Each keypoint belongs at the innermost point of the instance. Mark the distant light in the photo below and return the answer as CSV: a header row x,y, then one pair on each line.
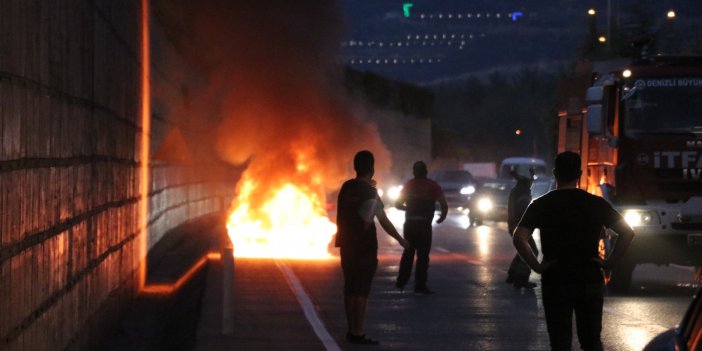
x,y
591,12
406,8
516,15
518,132
602,39
671,14
626,73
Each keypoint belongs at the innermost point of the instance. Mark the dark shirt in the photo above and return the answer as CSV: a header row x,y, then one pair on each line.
x,y
517,202
420,196
571,223
352,230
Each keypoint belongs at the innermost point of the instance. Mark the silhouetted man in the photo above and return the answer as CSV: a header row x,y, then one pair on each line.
x,y
418,198
517,202
358,205
571,222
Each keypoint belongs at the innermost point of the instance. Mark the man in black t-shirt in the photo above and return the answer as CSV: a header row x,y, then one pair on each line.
x,y
571,222
358,204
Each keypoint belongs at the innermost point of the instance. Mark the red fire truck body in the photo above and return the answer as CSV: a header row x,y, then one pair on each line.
x,y
640,137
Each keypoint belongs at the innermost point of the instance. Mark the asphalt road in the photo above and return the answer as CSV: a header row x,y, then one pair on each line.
x,y
298,304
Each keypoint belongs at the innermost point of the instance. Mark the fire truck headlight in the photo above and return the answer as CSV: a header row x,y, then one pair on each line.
x,y
468,190
485,205
637,218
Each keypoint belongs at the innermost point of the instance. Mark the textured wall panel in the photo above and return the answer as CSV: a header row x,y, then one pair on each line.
x,y
70,131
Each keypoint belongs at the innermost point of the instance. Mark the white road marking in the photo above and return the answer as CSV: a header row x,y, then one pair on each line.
x,y
307,307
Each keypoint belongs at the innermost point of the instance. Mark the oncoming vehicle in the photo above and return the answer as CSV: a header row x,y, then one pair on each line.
x,y
458,186
490,200
523,165
489,203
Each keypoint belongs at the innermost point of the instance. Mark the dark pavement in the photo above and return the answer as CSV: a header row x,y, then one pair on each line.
x,y
297,305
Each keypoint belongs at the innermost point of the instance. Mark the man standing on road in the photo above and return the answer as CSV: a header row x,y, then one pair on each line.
x,y
418,198
571,222
358,204
517,202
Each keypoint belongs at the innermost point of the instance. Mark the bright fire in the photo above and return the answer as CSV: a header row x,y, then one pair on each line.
x,y
290,223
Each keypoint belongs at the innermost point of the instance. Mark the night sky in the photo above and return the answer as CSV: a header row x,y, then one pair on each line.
x,y
447,39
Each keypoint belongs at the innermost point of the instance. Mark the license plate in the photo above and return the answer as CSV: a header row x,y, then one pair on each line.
x,y
694,239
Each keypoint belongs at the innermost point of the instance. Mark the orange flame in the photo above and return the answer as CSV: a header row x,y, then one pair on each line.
x,y
290,223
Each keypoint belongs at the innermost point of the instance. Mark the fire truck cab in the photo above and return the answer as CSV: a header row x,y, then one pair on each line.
x,y
639,134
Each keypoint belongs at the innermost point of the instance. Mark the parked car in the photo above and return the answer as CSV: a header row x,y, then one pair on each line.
x,y
458,186
687,336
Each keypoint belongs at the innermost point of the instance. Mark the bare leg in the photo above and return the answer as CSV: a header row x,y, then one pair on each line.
x,y
348,306
359,315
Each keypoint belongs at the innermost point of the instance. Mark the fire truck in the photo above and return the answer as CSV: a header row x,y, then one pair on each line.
x,y
639,133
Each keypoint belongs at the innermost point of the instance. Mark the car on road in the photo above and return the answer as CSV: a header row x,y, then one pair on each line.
x,y
687,336
459,186
490,200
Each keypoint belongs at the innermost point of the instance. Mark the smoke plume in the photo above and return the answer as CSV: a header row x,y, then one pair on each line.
x,y
274,81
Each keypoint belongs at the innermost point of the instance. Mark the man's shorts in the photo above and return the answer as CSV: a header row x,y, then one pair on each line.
x,y
359,267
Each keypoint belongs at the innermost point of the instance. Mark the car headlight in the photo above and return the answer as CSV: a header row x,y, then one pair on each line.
x,y
394,192
637,218
467,190
485,205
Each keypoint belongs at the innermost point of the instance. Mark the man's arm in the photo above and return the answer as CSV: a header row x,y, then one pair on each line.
x,y
390,228
444,208
626,235
521,243
400,201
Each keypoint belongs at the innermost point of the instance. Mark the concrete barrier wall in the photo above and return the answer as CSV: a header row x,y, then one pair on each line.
x,y
70,132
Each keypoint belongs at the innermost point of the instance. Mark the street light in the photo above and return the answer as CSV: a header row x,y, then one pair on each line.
x,y
671,14
602,39
591,12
